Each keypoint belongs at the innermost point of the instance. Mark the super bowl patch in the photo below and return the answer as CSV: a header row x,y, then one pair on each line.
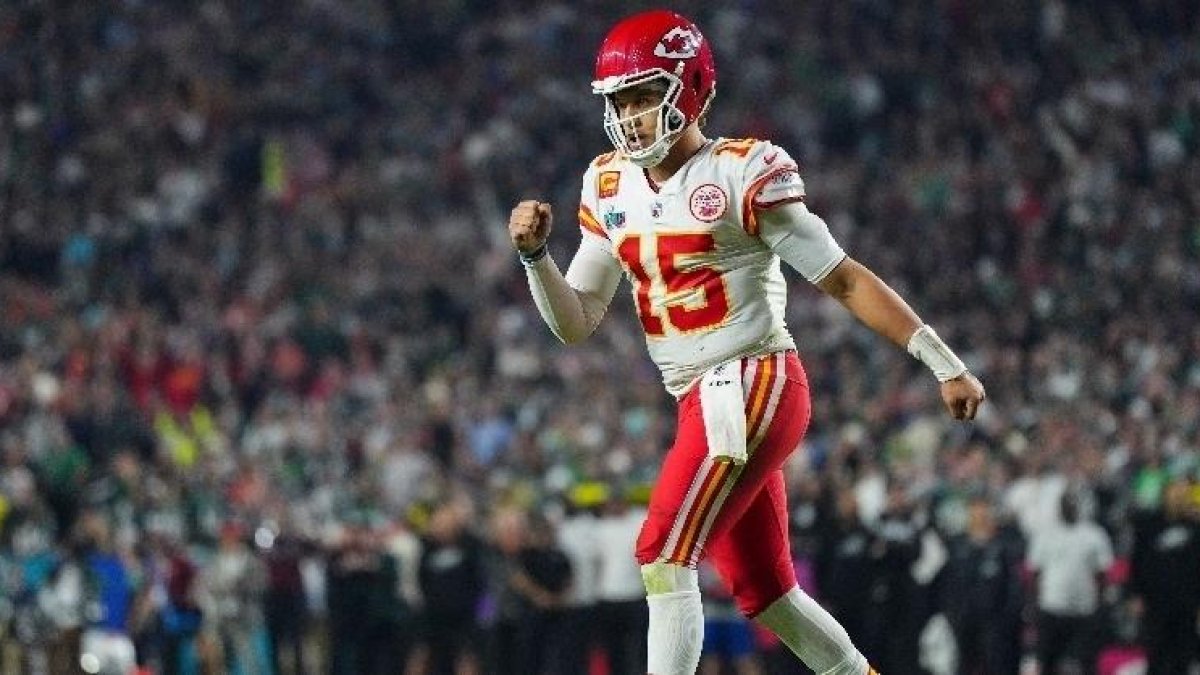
x,y
708,202
614,219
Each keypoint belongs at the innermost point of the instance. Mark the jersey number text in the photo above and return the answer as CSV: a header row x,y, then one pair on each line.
x,y
684,310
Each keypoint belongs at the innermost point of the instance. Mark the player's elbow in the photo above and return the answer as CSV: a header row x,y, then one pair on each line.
x,y
580,327
841,281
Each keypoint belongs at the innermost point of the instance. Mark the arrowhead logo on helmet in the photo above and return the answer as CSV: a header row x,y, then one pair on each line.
x,y
679,43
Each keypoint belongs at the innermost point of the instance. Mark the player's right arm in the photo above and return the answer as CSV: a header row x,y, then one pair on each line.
x,y
571,305
774,210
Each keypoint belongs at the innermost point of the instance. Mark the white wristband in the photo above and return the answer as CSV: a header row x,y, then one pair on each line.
x,y
930,350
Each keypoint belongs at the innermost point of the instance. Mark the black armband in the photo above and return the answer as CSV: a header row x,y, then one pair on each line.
x,y
533,256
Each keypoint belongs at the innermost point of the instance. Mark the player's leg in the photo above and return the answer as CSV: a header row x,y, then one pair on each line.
x,y
689,497
749,543
754,559
688,486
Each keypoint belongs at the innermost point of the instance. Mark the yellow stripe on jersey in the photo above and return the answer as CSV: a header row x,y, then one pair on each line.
x,y
587,220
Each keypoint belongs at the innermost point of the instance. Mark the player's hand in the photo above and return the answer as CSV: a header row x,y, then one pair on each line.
x,y
963,395
529,225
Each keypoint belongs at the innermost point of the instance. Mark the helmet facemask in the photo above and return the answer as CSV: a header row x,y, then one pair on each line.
x,y
671,121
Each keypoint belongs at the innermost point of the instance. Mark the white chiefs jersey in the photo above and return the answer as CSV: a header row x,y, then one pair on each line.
x,y
703,264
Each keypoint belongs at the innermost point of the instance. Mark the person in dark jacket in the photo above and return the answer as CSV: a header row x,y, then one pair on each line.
x,y
452,580
893,624
844,566
530,577
364,602
1165,580
982,595
285,604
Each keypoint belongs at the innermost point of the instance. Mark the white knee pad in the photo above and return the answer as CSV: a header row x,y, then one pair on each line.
x,y
676,631
664,577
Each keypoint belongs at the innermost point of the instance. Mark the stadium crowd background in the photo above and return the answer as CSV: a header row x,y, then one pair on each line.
x,y
270,373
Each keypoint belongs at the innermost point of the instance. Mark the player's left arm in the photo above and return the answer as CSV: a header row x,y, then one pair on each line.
x,y
883,310
802,239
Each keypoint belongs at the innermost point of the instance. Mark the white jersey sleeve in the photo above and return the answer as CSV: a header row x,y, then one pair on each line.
x,y
594,271
801,239
594,184
774,209
595,275
572,305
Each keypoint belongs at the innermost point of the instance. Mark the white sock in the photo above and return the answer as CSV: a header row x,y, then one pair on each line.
x,y
676,633
813,635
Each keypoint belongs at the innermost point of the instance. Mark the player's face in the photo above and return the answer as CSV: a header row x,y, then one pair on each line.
x,y
638,108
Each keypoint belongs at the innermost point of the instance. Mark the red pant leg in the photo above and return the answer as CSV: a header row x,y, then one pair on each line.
x,y
754,556
696,499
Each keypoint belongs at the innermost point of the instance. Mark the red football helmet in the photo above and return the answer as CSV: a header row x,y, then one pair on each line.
x,y
656,45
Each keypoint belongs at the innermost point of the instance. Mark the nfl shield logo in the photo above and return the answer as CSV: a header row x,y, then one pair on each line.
x,y
656,210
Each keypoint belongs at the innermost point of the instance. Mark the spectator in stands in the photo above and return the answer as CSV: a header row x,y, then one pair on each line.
x,y
845,565
621,606
729,637
286,612
452,582
180,183
1069,563
895,614
578,540
1165,579
233,586
982,596
363,591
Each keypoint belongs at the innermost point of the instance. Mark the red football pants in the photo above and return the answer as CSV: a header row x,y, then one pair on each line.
x,y
737,517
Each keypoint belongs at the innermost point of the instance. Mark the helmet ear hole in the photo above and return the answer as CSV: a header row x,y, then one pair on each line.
x,y
676,118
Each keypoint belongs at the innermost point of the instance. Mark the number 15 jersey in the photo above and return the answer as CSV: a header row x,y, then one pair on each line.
x,y
702,251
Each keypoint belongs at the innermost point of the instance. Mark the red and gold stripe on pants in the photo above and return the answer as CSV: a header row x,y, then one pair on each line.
x,y
763,381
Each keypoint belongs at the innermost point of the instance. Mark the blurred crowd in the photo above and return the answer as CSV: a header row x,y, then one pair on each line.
x,y
274,398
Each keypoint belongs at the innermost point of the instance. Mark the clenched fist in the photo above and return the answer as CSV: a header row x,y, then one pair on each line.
x,y
529,225
963,395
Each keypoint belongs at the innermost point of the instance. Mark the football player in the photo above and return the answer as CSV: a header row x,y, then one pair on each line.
x,y
698,226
